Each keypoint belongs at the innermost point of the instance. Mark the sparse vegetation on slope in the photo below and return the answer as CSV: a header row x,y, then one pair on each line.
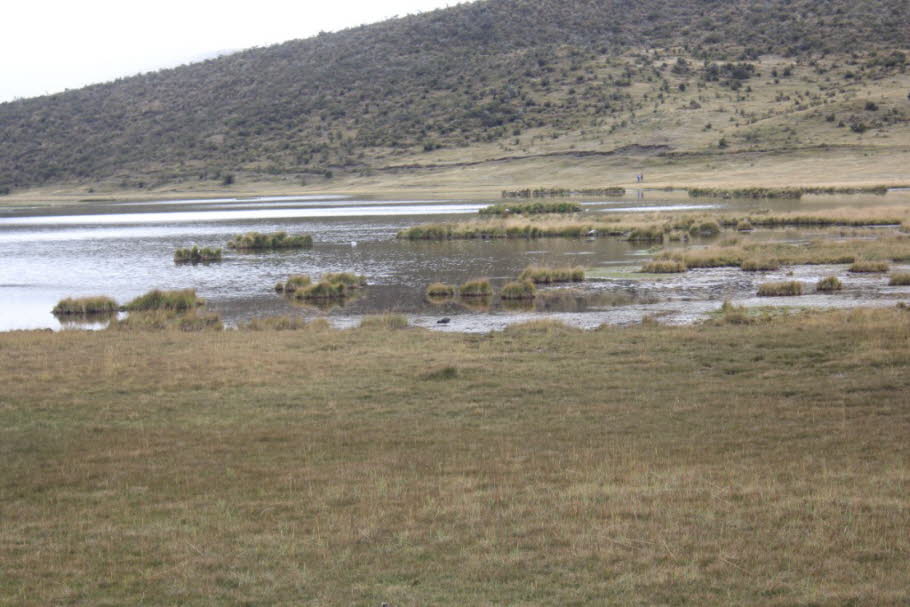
x,y
503,78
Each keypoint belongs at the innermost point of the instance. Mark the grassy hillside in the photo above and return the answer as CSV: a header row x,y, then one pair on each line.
x,y
492,80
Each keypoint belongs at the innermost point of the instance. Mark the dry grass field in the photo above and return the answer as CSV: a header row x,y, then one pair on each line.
x,y
756,464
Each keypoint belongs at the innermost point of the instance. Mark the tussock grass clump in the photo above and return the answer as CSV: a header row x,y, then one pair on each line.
x,y
322,290
476,288
180,300
829,284
744,225
256,241
439,290
348,279
646,234
275,323
532,208
196,254
160,320
546,327
791,288
441,373
705,229
899,279
547,275
864,266
664,266
760,265
735,315
519,290
332,286
297,281
384,321
85,306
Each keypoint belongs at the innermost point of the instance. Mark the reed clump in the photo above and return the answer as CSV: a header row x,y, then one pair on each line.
x,y
705,229
899,279
297,281
256,241
868,216
331,286
348,279
384,322
85,306
197,254
755,193
735,315
516,227
790,288
664,266
829,284
322,290
760,265
865,266
519,290
178,300
162,319
480,287
532,208
275,323
548,275
817,252
651,233
561,192
439,290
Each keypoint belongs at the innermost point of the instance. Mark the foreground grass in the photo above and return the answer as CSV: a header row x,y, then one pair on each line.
x,y
762,464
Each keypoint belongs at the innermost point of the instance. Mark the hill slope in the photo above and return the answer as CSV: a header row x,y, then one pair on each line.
x,y
487,80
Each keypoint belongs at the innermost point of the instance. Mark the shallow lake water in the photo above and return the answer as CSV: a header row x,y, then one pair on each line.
x,y
125,249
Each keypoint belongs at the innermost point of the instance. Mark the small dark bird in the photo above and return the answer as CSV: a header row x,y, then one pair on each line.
x,y
444,321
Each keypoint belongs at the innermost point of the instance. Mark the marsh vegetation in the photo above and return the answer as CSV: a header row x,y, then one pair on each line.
x,y
789,288
552,275
518,290
85,306
477,288
197,254
532,208
157,299
330,287
256,241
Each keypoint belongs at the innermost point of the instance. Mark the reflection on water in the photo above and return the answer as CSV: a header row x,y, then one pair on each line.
x,y
125,249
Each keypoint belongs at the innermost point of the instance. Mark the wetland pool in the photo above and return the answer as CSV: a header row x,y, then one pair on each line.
x,y
125,249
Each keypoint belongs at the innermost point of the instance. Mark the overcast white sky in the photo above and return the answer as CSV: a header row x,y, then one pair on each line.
x,y
50,45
